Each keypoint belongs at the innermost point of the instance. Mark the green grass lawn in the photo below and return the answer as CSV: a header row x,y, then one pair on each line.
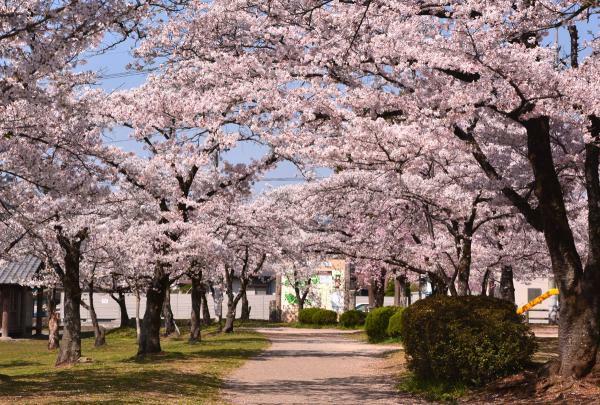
x,y
184,373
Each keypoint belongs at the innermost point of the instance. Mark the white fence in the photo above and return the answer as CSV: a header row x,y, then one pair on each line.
x,y
107,310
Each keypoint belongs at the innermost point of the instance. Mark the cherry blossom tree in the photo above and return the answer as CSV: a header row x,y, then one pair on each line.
x,y
487,75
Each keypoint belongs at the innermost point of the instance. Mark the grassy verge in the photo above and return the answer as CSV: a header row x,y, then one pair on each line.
x,y
184,373
431,390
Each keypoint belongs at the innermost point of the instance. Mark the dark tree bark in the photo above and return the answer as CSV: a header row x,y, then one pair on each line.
x,y
206,319
507,287
149,341
40,309
138,326
579,333
245,315
99,332
70,347
120,300
485,282
53,321
492,288
301,290
232,299
377,290
170,327
195,322
439,286
245,274
400,289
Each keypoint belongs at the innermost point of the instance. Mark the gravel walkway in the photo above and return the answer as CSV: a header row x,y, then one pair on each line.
x,y
315,366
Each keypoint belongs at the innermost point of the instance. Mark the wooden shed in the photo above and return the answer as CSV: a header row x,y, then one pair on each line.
x,y
16,296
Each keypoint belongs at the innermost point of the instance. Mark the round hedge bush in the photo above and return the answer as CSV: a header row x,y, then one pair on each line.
x,y
394,328
352,318
377,321
306,315
317,316
325,317
471,340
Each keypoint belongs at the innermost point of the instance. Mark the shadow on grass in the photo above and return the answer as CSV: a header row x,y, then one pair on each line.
x,y
20,363
110,381
206,349
183,371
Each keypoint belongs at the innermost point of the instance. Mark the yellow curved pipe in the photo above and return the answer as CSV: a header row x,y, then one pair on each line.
x,y
537,300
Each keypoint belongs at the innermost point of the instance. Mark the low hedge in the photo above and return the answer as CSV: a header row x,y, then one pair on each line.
x,y
317,316
306,315
325,317
394,328
377,321
352,318
470,340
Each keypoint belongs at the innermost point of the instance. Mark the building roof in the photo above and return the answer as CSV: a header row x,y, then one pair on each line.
x,y
20,272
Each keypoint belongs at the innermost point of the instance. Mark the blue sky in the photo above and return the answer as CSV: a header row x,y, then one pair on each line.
x,y
112,67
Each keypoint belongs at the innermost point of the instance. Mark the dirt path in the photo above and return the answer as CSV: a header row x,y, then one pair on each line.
x,y
315,366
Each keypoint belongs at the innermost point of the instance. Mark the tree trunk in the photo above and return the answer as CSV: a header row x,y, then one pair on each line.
x,y
98,330
206,319
5,311
464,271
245,315
53,321
485,282
507,288
38,318
120,300
155,297
170,327
376,290
230,317
232,300
438,285
400,298
492,288
138,328
195,322
70,348
579,333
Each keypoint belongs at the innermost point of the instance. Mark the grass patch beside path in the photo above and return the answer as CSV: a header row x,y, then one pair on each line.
x,y
431,390
184,373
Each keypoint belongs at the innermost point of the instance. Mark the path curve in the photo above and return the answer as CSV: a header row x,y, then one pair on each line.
x,y
315,366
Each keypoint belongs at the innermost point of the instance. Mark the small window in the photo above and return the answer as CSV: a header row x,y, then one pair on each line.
x,y
533,293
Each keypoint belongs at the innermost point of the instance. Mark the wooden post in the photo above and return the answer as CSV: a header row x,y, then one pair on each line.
x,y
5,319
38,319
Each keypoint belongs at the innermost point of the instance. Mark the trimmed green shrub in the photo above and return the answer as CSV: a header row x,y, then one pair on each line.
x,y
352,318
470,340
394,328
317,316
325,317
376,323
306,315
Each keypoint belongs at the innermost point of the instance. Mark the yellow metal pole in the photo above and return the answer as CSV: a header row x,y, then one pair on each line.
x,y
537,300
